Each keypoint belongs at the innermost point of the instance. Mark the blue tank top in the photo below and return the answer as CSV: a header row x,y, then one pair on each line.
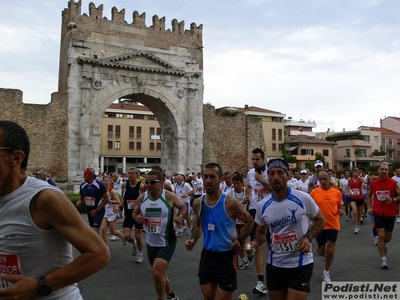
x,y
218,227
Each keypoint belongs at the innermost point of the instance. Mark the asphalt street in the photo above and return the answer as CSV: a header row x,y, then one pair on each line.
x,y
356,259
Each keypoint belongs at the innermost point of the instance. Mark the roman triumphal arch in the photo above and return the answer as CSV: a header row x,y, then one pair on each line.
x,y
103,60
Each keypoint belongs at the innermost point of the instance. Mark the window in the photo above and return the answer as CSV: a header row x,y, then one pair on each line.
x,y
273,134
139,133
376,139
136,116
398,141
151,131
119,115
131,132
158,146
390,143
151,146
117,145
347,154
159,131
363,153
276,119
109,144
138,146
307,151
110,131
131,145
129,116
117,131
325,152
273,146
280,134
366,138
152,117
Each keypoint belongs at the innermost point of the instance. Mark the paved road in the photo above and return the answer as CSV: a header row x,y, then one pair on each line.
x,y
356,259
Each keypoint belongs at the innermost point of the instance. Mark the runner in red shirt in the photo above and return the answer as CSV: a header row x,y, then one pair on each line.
x,y
386,195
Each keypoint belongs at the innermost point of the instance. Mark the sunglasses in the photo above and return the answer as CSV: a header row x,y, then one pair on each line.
x,y
152,182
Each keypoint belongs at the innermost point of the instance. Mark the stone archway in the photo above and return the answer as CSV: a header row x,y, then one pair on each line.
x,y
103,60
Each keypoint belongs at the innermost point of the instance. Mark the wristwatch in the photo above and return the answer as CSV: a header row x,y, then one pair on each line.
x,y
45,288
310,237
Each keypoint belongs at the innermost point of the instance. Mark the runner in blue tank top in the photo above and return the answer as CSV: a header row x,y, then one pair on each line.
x,y
216,215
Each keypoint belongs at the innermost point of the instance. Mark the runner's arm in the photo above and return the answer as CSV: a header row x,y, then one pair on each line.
x,y
51,209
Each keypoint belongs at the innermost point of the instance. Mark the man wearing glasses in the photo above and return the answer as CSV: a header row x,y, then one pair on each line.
x,y
155,210
37,218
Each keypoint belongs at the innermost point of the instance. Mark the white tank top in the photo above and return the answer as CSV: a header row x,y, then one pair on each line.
x,y
158,221
25,248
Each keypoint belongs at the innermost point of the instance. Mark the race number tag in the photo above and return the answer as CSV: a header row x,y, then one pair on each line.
x,y
90,201
9,264
131,204
260,193
285,242
382,195
153,220
211,227
354,192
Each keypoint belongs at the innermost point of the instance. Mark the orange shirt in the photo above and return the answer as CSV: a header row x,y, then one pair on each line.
x,y
329,202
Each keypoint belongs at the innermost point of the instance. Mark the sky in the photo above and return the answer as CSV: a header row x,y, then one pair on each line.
x,y
335,62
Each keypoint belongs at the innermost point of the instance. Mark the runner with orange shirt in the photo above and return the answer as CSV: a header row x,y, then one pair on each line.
x,y
329,201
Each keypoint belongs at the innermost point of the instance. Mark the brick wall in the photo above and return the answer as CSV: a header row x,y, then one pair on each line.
x,y
46,126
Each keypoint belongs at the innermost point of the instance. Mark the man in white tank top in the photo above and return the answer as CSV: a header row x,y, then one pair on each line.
x,y
37,218
154,209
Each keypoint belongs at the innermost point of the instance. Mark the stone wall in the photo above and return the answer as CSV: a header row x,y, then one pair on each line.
x,y
229,141
47,127
120,31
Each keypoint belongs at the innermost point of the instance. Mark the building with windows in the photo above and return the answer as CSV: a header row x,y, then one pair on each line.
x,y
130,137
301,143
391,138
305,148
356,148
293,127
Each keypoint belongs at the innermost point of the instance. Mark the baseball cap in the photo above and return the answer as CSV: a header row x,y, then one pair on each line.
x,y
318,163
303,171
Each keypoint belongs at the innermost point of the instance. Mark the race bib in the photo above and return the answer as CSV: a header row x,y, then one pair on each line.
x,y
153,220
354,192
131,204
9,264
90,201
260,193
152,225
382,195
285,242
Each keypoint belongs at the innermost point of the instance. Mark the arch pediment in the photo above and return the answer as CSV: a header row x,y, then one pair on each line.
x,y
139,61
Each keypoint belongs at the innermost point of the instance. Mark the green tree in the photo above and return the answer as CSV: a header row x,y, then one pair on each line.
x,y
319,156
283,150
